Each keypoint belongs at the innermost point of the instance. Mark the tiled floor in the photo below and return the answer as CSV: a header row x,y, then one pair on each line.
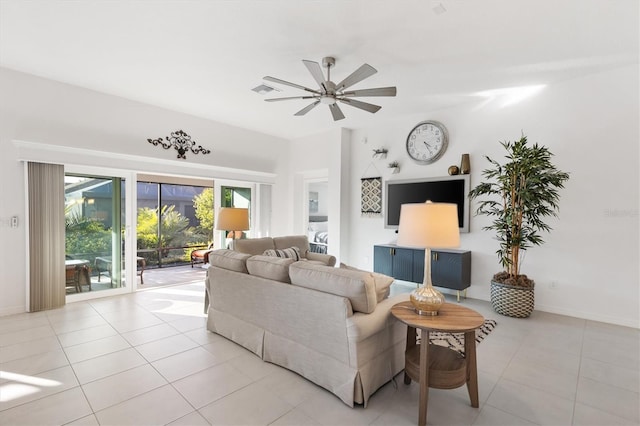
x,y
146,358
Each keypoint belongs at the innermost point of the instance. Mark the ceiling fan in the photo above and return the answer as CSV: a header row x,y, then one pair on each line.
x,y
330,93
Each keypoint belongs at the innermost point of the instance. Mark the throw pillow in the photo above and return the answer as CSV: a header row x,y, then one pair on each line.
x,y
289,253
382,282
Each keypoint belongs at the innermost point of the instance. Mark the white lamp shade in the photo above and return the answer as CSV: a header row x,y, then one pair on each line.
x,y
429,225
232,219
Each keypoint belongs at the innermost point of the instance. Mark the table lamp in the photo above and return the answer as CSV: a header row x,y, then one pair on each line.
x,y
429,225
232,219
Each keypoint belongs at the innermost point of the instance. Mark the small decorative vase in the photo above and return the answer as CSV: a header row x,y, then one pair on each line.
x,y
454,170
465,165
426,300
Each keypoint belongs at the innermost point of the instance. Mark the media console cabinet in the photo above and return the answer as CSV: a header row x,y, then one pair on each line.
x,y
449,268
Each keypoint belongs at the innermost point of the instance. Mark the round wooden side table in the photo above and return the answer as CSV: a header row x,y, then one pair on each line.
x,y
447,369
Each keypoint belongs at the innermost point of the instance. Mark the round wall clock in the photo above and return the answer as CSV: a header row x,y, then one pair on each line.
x,y
427,141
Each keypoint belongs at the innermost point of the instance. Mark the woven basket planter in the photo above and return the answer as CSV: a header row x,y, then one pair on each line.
x,y
512,301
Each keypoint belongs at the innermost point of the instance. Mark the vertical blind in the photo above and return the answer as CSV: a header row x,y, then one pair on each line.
x,y
46,236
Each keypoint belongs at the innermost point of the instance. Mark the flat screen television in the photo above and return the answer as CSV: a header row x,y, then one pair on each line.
x,y
447,189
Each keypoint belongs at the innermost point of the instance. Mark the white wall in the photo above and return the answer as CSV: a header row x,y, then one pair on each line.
x,y
99,129
589,265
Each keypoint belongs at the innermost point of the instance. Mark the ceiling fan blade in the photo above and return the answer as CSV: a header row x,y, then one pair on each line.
x,y
378,91
358,75
308,108
289,98
316,72
336,112
362,105
286,83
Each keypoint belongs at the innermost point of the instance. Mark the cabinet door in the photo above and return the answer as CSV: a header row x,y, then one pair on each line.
x,y
383,260
403,264
450,270
418,266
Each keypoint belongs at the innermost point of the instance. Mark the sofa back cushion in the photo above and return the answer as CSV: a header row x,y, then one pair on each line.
x,y
357,286
254,246
229,259
271,268
382,282
300,241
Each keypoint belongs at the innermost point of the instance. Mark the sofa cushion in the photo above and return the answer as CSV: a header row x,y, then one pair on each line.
x,y
229,259
254,246
357,286
271,268
383,282
300,241
287,253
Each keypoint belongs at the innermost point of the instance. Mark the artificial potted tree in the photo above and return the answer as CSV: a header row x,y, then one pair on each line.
x,y
518,196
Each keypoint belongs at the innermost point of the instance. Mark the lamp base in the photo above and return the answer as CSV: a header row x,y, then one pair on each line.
x,y
426,300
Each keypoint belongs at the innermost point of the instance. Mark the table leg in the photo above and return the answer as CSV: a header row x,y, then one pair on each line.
x,y
411,343
472,369
424,377
76,279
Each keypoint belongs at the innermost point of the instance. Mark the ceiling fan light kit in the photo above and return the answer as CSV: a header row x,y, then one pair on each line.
x,y
330,93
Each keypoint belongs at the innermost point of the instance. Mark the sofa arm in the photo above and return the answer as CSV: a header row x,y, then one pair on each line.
x,y
361,326
327,259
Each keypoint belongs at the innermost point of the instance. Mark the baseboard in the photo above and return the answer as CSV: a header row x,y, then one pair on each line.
x,y
626,322
12,310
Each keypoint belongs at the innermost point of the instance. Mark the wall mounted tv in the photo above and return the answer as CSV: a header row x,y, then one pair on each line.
x,y
447,189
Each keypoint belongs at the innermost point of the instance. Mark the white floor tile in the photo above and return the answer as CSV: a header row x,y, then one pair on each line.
x,y
22,388
74,324
611,374
165,347
294,418
136,323
211,384
490,416
58,409
191,419
107,365
614,400
531,404
159,406
89,420
35,364
585,415
25,321
328,409
149,334
20,336
185,363
251,405
86,335
123,386
25,349
96,348
539,377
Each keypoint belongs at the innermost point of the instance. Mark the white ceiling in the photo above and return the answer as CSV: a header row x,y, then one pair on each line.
x,y
203,57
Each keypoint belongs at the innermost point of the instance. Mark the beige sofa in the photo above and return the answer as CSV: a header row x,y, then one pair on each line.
x,y
331,325
259,245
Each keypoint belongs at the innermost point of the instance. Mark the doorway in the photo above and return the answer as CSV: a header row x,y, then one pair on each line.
x,y
318,215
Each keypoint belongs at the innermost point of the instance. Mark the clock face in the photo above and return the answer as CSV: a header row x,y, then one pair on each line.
x,y
427,142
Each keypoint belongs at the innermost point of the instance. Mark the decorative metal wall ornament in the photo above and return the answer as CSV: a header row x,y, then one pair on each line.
x,y
181,142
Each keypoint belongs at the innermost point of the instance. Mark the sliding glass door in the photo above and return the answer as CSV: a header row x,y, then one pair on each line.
x,y
94,233
173,220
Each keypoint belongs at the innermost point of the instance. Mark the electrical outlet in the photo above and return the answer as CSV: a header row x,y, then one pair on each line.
x,y
14,221
553,285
